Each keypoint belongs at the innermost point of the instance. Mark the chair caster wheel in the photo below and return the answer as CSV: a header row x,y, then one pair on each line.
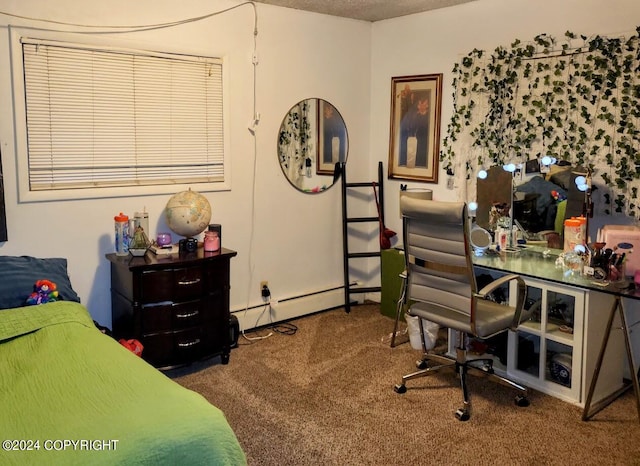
x,y
422,364
463,415
487,368
400,388
522,401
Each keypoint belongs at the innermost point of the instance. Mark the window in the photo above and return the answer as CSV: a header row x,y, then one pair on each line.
x,y
107,118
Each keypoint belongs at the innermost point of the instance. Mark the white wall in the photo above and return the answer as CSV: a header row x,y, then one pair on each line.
x,y
291,239
433,42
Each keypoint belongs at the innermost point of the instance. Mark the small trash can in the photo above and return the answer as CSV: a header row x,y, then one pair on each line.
x,y
430,332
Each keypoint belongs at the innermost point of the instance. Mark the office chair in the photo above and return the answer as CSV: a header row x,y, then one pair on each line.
x,y
441,286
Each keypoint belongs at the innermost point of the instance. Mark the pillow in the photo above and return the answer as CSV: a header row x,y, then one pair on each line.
x,y
18,275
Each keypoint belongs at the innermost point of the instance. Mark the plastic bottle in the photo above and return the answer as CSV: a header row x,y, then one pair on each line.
x,y
122,234
572,234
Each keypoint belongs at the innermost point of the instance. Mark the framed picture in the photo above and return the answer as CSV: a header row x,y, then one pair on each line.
x,y
414,142
332,138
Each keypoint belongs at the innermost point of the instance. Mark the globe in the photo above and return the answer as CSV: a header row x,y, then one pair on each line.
x,y
187,213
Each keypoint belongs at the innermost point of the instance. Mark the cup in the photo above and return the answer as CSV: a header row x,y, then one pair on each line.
x,y
163,239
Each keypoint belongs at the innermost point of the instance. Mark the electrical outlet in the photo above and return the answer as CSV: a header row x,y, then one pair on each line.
x,y
265,291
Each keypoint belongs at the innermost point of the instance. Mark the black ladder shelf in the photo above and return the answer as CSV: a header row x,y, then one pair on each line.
x,y
350,289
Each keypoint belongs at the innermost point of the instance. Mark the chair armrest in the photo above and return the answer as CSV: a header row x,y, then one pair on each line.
x,y
521,295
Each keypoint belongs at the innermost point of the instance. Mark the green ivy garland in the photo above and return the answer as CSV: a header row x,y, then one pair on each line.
x,y
577,100
294,142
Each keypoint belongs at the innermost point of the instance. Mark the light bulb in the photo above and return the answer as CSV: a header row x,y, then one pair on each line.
x,y
583,187
510,167
482,174
546,160
473,206
580,180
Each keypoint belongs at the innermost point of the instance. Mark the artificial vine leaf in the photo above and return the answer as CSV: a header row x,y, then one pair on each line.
x,y
576,104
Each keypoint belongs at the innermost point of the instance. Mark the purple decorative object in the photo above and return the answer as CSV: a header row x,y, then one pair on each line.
x,y
163,239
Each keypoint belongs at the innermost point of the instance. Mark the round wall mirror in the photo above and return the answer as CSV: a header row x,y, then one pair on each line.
x,y
312,142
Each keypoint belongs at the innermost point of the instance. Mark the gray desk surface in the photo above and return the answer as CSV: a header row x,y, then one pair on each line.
x,y
538,262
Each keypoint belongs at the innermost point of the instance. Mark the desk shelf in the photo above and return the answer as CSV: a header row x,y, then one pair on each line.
x,y
555,362
545,357
552,333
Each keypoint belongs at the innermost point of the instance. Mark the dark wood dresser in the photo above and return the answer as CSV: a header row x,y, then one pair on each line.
x,y
176,305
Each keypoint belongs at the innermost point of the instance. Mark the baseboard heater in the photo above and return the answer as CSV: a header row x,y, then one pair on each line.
x,y
289,308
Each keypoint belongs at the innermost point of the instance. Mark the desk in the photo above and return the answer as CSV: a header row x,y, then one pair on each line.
x,y
595,378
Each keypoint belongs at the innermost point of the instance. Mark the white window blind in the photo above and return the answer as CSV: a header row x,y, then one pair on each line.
x,y
111,118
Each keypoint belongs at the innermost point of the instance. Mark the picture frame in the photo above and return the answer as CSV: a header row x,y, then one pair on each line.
x,y
332,138
414,142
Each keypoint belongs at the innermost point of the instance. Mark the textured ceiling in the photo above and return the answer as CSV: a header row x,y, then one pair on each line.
x,y
366,10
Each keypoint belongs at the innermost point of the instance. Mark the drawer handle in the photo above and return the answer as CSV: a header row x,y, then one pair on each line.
x,y
189,282
186,316
189,343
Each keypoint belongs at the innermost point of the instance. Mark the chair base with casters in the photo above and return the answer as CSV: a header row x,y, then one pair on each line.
x,y
461,365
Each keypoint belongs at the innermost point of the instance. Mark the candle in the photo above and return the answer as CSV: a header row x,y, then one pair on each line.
x,y
211,241
412,150
335,149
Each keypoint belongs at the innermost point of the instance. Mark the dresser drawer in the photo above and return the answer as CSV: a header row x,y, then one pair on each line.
x,y
178,347
177,284
172,316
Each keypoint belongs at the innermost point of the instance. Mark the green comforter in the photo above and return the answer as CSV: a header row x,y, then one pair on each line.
x,y
71,395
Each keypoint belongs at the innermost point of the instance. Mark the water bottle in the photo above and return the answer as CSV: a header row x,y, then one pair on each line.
x,y
122,234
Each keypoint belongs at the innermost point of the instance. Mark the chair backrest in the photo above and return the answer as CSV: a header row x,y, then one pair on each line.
x,y
436,245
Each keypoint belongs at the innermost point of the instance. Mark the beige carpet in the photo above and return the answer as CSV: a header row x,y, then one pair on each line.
x,y
324,396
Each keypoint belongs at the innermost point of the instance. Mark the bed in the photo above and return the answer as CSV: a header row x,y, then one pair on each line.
x,y
70,394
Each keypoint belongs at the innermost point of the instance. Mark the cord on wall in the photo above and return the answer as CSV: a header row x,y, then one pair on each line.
x,y
137,28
